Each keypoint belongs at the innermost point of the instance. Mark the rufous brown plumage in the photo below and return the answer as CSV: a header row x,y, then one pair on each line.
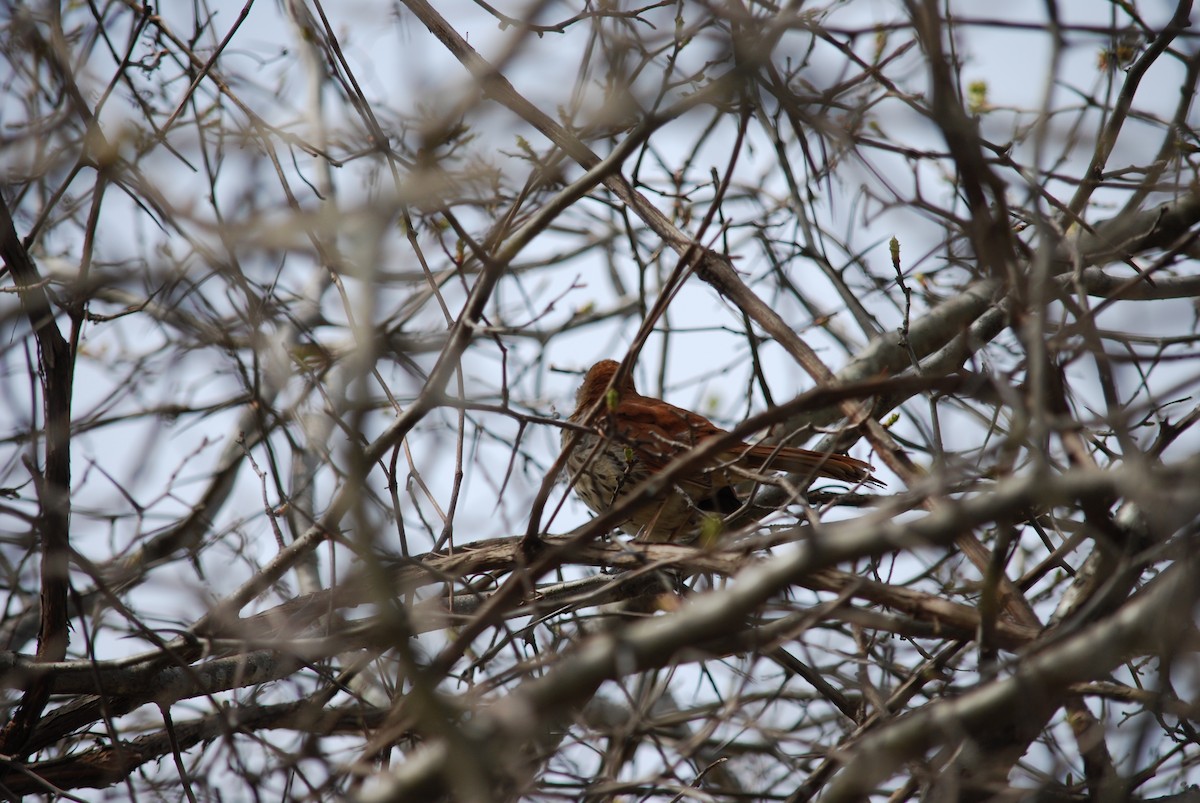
x,y
633,436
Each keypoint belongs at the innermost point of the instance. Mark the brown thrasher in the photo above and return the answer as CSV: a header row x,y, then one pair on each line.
x,y
635,436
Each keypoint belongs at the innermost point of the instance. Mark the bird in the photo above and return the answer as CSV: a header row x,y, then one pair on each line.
x,y
632,437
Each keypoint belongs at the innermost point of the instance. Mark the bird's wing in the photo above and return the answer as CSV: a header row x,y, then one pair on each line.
x,y
658,432
806,461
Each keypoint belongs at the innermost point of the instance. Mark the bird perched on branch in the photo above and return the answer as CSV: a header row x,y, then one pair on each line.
x,y
633,437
